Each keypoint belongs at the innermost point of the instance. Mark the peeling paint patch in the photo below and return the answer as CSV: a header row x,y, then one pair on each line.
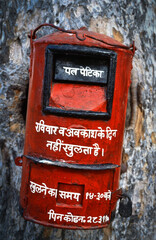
x,y
15,54
139,133
15,127
117,35
153,137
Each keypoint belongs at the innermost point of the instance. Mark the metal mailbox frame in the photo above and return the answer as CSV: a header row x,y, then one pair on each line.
x,y
51,50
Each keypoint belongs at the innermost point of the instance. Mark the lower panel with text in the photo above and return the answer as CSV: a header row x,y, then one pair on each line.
x,y
69,198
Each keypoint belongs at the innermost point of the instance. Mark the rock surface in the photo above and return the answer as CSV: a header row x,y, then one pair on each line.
x,y
123,20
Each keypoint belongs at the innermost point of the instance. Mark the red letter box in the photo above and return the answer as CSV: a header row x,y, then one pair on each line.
x,y
76,112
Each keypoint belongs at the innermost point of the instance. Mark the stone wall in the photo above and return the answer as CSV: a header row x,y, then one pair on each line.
x,y
123,20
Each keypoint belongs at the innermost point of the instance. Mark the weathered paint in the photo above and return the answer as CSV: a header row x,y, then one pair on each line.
x,y
61,170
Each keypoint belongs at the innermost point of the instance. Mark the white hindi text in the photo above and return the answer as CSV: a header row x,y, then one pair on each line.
x,y
86,72
53,192
70,149
99,196
69,217
75,132
34,187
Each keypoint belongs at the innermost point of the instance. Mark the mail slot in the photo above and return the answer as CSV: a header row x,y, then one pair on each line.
x,y
76,112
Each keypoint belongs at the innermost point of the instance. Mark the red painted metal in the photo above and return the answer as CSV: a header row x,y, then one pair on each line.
x,y
60,188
